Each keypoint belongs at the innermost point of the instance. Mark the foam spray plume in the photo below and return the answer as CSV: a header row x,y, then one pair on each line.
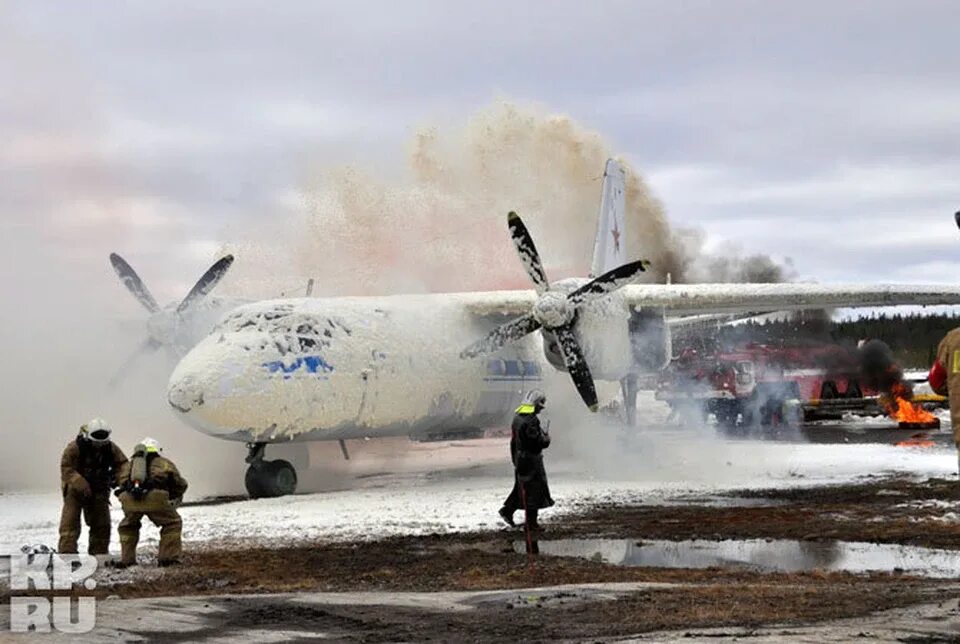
x,y
441,227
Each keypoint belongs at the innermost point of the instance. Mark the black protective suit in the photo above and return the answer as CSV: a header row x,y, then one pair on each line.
x,y
530,489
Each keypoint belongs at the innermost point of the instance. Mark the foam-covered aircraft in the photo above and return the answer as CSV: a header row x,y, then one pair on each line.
x,y
454,363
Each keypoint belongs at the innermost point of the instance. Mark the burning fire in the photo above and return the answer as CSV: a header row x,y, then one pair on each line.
x,y
900,408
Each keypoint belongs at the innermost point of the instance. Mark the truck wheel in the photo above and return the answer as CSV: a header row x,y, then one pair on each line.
x,y
828,390
853,390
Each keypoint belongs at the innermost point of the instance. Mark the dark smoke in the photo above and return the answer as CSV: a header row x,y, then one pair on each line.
x,y
879,370
689,262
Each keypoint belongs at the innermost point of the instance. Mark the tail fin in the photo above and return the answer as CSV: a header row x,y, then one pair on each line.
x,y
609,249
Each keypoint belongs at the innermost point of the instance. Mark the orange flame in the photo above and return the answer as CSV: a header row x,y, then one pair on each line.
x,y
903,410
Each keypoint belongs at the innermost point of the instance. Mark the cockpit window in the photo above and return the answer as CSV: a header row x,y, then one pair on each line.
x,y
291,331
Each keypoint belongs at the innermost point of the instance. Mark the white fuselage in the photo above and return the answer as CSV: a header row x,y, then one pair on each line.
x,y
354,367
315,369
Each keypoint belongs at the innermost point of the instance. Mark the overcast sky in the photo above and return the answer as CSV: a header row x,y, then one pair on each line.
x,y
823,131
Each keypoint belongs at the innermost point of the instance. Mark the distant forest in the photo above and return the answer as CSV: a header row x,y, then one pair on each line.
x,y
913,338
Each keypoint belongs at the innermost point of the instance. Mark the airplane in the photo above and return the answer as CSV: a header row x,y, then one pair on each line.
x,y
451,364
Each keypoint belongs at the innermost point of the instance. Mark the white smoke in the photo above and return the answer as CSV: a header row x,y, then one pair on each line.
x,y
68,323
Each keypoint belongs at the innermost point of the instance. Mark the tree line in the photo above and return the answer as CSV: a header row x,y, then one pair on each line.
x,y
913,337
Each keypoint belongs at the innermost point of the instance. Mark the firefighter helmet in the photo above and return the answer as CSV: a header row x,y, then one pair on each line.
x,y
536,398
147,446
96,431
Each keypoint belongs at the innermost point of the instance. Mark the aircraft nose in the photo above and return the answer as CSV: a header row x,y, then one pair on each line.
x,y
192,383
203,389
185,392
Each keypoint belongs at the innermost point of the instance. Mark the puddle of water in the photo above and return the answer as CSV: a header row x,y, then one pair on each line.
x,y
759,554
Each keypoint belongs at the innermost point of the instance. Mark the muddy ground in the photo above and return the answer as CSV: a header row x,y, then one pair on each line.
x,y
882,510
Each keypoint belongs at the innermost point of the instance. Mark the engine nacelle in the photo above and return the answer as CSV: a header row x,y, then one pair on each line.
x,y
603,332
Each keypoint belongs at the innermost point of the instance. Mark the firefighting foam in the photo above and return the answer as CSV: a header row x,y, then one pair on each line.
x,y
438,227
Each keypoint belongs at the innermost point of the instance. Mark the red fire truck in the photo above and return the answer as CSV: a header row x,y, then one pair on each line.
x,y
762,384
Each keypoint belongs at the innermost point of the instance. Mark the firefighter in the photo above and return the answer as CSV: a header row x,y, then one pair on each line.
x,y
944,379
88,469
150,485
530,490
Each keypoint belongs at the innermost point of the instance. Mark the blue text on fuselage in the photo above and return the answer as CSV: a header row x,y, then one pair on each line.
x,y
309,364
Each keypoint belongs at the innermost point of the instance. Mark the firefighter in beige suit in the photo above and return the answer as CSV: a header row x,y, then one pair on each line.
x,y
150,485
944,378
88,469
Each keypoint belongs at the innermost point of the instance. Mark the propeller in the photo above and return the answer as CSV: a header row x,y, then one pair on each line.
x,y
554,312
527,250
206,283
162,323
133,282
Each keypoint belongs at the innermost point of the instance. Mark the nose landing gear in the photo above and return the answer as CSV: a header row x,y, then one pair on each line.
x,y
266,479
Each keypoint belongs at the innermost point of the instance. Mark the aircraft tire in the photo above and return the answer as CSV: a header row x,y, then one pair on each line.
x,y
252,481
269,479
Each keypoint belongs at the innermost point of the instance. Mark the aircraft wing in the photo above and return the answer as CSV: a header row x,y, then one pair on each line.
x,y
484,303
695,299
699,299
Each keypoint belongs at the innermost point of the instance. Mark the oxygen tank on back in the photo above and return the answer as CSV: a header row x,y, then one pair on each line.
x,y
138,472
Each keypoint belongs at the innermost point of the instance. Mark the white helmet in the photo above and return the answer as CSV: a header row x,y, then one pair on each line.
x,y
148,446
535,397
96,431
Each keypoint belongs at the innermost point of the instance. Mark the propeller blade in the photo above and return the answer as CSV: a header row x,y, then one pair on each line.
x,y
608,282
149,346
206,283
576,365
507,332
133,282
528,252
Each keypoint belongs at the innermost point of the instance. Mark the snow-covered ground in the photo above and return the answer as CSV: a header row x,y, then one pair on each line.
x,y
465,492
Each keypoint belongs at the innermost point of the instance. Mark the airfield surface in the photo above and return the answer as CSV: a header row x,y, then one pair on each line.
x,y
672,534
